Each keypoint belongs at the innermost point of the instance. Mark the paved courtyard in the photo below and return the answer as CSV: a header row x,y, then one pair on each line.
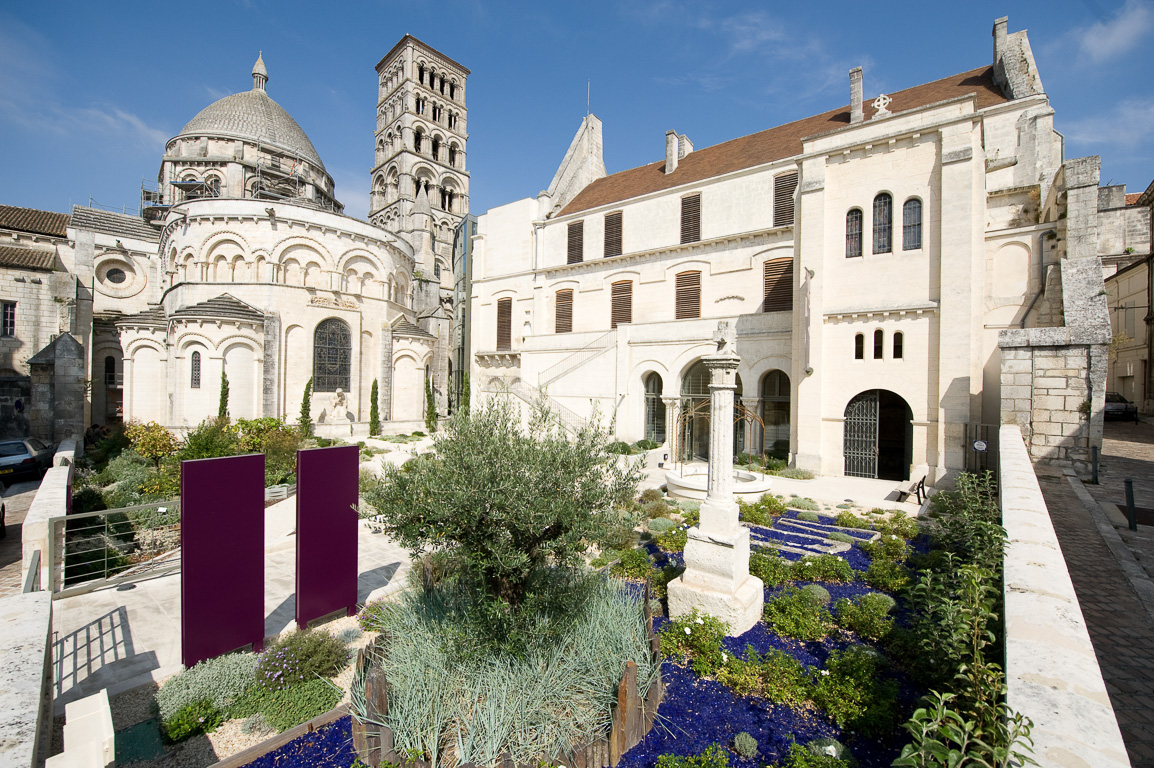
x,y
17,499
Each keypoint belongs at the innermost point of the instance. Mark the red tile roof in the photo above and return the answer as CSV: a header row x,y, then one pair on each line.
x,y
27,258
1132,198
774,144
34,221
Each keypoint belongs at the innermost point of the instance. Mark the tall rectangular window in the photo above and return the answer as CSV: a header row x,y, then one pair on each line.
x,y
8,318
621,303
613,234
504,324
691,218
853,223
194,381
563,320
912,224
783,189
576,242
777,285
883,223
688,295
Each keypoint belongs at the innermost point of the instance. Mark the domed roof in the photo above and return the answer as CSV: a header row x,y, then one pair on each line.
x,y
253,115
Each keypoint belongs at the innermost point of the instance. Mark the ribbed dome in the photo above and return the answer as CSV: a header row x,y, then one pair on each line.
x,y
254,116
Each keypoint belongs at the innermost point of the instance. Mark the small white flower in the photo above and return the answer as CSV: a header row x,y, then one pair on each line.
x,y
830,750
700,620
724,658
825,672
687,630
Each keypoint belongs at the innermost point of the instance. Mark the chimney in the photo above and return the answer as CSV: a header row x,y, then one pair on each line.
x,y
1000,35
855,91
672,151
684,145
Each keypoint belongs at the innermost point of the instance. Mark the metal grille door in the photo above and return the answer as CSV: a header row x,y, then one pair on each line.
x,y
861,435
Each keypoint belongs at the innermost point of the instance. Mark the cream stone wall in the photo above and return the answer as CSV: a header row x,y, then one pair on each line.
x,y
1127,294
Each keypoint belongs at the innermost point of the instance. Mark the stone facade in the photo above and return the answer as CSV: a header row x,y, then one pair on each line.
x,y
1128,294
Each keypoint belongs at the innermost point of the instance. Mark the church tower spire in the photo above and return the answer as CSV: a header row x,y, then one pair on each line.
x,y
259,73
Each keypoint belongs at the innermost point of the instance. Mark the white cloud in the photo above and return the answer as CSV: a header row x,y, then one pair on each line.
x,y
1118,35
1129,126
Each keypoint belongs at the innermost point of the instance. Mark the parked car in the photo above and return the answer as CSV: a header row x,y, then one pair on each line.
x,y
3,513
1118,407
24,458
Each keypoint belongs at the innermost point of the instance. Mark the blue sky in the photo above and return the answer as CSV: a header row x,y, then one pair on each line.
x,y
89,92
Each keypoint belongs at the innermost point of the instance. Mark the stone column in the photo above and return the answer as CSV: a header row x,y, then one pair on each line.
x,y
716,579
754,431
671,433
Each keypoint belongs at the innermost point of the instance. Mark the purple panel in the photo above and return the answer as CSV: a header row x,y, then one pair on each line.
x,y
222,555
326,531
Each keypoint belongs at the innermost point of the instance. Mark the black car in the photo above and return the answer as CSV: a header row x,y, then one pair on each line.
x,y
24,458
1118,407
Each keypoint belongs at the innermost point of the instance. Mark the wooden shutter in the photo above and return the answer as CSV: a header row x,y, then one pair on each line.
x,y
563,322
778,286
613,234
621,310
783,189
504,324
691,218
576,242
688,295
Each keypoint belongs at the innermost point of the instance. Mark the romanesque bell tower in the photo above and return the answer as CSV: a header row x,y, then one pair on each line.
x,y
420,147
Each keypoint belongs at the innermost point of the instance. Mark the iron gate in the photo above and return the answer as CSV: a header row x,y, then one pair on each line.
x,y
981,448
861,435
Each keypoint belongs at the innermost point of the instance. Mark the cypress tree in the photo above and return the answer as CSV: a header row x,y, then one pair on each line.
x,y
222,409
374,412
306,410
465,392
430,409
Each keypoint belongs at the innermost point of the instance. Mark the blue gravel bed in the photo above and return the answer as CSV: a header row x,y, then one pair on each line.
x,y
330,746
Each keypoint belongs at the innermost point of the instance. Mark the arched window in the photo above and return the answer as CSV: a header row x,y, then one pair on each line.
x,y
437,269
332,355
879,344
899,342
775,414
436,144
110,371
912,224
194,379
213,186
654,409
853,221
417,141
421,74
859,347
883,223
453,155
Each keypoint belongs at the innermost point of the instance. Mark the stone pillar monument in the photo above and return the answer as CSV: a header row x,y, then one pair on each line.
x,y
716,579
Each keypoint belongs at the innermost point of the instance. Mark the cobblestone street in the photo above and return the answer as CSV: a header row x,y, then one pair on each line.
x,y
17,498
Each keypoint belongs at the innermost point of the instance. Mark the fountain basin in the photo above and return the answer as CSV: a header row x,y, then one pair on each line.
x,y
693,483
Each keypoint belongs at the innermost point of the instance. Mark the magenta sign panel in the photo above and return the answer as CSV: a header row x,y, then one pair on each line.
x,y
222,556
326,531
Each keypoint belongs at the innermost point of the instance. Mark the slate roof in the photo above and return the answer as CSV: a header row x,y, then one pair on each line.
x,y
27,258
774,144
115,224
222,306
33,220
405,328
252,115
154,315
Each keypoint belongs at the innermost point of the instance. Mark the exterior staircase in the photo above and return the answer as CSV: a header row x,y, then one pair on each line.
x,y
579,358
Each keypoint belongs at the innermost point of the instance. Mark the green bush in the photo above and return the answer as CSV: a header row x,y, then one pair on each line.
x,y
887,576
656,509
256,725
286,708
793,473
618,536
695,638
772,569
219,681
659,582
634,563
87,499
210,439
804,504
191,719
898,524
851,520
936,560
775,465
745,745
673,540
867,615
746,459
809,517
844,538
761,512
817,593
713,757
793,613
776,676
650,495
660,525
853,692
646,445
605,557
299,657
619,447
887,546
823,568
809,757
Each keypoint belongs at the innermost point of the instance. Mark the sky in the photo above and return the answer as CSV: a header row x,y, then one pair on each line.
x,y
90,92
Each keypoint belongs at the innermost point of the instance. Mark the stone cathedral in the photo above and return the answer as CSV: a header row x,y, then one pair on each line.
x,y
243,264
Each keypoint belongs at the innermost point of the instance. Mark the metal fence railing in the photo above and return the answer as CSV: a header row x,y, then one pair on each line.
x,y
32,579
114,545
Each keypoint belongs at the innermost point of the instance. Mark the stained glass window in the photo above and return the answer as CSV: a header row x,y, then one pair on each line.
x,y
195,383
332,356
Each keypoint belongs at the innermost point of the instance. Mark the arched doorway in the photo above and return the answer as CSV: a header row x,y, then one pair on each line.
x,y
654,409
878,436
775,414
694,419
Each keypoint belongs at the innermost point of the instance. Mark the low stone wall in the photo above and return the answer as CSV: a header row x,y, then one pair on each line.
x,y
1051,670
50,501
65,454
25,679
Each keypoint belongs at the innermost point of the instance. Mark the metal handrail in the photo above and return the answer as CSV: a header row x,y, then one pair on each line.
x,y
577,359
32,580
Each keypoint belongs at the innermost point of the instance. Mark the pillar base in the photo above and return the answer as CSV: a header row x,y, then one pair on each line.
x,y
740,609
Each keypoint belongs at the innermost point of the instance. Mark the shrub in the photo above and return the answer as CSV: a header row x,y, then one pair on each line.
x,y
794,614
888,546
374,411
713,757
793,473
867,615
817,593
286,708
660,525
634,563
219,681
746,459
151,440
898,524
745,745
306,419
887,576
87,499
844,538
772,569
673,540
656,509
222,406
191,719
777,676
807,505
808,517
256,725
619,537
619,447
763,511
646,445
299,657
695,638
850,520
936,560
606,557
823,568
430,408
775,465
650,495
212,438
810,756
659,582
853,692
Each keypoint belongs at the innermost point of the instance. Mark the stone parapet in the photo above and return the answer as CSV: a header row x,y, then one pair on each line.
x,y
25,679
52,500
1052,673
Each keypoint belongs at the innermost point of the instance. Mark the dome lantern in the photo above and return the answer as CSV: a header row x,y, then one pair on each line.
x,y
259,73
